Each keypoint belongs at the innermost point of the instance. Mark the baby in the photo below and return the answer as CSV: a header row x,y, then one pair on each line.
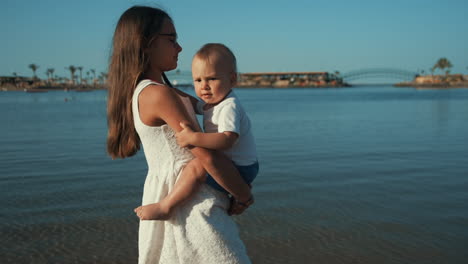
x,y
226,124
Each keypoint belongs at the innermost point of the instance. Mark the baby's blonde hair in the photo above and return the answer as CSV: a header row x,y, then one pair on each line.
x,y
220,49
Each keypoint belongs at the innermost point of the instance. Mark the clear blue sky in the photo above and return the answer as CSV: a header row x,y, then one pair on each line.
x,y
307,35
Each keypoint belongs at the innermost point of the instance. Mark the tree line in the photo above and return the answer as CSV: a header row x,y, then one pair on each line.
x,y
74,77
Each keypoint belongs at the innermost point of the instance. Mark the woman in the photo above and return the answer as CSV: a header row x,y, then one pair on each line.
x,y
142,109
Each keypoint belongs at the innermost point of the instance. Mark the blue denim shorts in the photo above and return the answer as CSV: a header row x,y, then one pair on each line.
x,y
248,173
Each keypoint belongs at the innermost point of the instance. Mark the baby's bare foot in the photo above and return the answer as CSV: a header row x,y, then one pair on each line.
x,y
155,211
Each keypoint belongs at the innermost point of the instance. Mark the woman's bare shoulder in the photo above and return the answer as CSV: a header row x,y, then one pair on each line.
x,y
156,89
154,94
153,103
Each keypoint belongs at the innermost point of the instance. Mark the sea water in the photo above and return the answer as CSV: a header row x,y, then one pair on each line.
x,y
367,174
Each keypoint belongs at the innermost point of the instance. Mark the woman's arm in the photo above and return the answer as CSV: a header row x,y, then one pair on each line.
x,y
193,100
160,104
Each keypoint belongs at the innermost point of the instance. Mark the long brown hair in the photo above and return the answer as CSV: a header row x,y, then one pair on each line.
x,y
135,29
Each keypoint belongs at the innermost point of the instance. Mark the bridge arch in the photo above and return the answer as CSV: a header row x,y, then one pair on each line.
x,y
388,73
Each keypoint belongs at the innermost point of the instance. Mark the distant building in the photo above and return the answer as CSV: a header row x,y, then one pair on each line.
x,y
288,79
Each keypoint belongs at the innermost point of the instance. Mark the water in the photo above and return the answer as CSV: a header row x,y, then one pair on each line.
x,y
353,175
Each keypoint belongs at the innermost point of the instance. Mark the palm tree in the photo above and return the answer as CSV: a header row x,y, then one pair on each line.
x,y
34,67
103,77
93,71
80,68
72,70
443,63
50,73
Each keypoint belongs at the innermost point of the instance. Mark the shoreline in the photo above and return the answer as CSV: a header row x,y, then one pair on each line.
x,y
437,81
50,88
291,86
44,89
431,86
90,89
284,80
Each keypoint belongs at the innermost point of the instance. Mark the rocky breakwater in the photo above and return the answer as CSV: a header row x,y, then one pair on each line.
x,y
289,80
437,81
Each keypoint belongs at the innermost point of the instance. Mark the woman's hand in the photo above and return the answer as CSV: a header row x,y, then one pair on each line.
x,y
185,136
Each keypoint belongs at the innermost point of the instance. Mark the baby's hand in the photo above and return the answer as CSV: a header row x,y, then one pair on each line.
x,y
237,208
184,136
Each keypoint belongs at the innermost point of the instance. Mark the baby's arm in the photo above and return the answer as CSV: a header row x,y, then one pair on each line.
x,y
216,141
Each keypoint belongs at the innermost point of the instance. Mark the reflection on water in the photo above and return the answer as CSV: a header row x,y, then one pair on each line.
x,y
358,175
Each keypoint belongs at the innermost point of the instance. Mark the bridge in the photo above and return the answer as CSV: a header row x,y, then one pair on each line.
x,y
372,73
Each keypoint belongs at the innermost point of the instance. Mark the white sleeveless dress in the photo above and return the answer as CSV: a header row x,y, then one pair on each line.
x,y
200,230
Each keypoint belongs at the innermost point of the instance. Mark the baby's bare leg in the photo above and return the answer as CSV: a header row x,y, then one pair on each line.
x,y
193,175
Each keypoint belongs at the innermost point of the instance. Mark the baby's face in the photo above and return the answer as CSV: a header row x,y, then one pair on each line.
x,y
213,79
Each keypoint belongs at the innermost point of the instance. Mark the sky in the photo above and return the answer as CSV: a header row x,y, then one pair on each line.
x,y
266,36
